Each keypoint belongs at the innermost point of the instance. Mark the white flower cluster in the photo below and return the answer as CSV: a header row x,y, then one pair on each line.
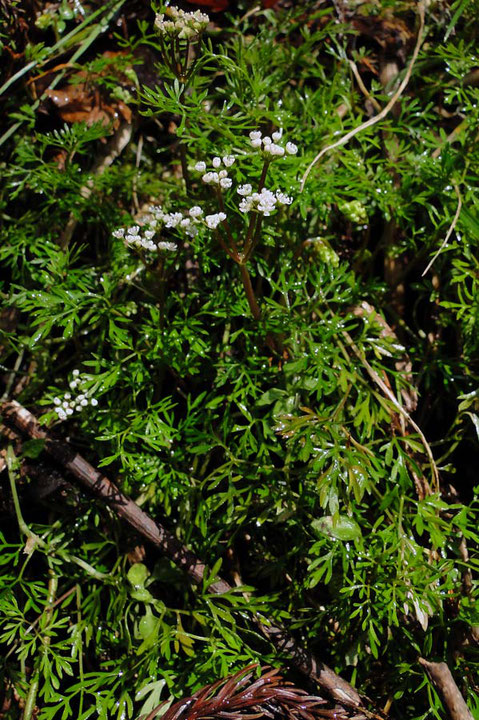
x,y
184,25
264,202
213,221
133,236
270,145
69,404
189,223
217,176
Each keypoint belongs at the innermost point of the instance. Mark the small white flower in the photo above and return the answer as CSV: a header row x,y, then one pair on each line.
x,y
266,141
185,222
244,189
216,162
67,396
226,182
172,220
57,401
69,411
291,148
283,199
149,234
256,143
171,247
228,160
267,202
222,174
200,166
196,211
84,403
118,233
246,204
277,135
191,230
75,372
134,230
255,135
214,220
73,384
210,178
94,402
157,211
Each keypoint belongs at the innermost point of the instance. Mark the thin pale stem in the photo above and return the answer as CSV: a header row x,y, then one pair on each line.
x,y
31,699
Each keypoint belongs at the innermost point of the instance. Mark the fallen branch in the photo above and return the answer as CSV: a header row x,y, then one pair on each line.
x,y
442,678
20,418
385,111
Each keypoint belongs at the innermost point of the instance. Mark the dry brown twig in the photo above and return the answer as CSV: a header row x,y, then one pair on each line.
x,y
384,112
446,686
22,420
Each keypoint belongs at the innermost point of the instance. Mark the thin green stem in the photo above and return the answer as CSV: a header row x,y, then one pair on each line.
x,y
80,649
31,700
184,167
12,467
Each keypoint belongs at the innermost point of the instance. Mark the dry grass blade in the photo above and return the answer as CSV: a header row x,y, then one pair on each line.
x,y
385,111
237,698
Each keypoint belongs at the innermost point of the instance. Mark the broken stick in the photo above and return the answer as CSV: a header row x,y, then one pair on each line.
x,y
447,688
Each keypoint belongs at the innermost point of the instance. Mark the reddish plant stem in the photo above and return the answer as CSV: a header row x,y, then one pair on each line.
x,y
248,288
254,239
225,247
234,251
249,232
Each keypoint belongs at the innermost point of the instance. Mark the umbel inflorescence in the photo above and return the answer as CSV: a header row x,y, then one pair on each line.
x,y
178,32
262,201
74,401
181,24
187,223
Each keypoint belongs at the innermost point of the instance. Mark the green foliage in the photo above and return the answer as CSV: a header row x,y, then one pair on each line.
x,y
266,442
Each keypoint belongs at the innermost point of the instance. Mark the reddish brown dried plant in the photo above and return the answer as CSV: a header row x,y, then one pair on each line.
x,y
241,697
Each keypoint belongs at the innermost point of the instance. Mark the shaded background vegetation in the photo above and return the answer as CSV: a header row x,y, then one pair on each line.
x,y
285,465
